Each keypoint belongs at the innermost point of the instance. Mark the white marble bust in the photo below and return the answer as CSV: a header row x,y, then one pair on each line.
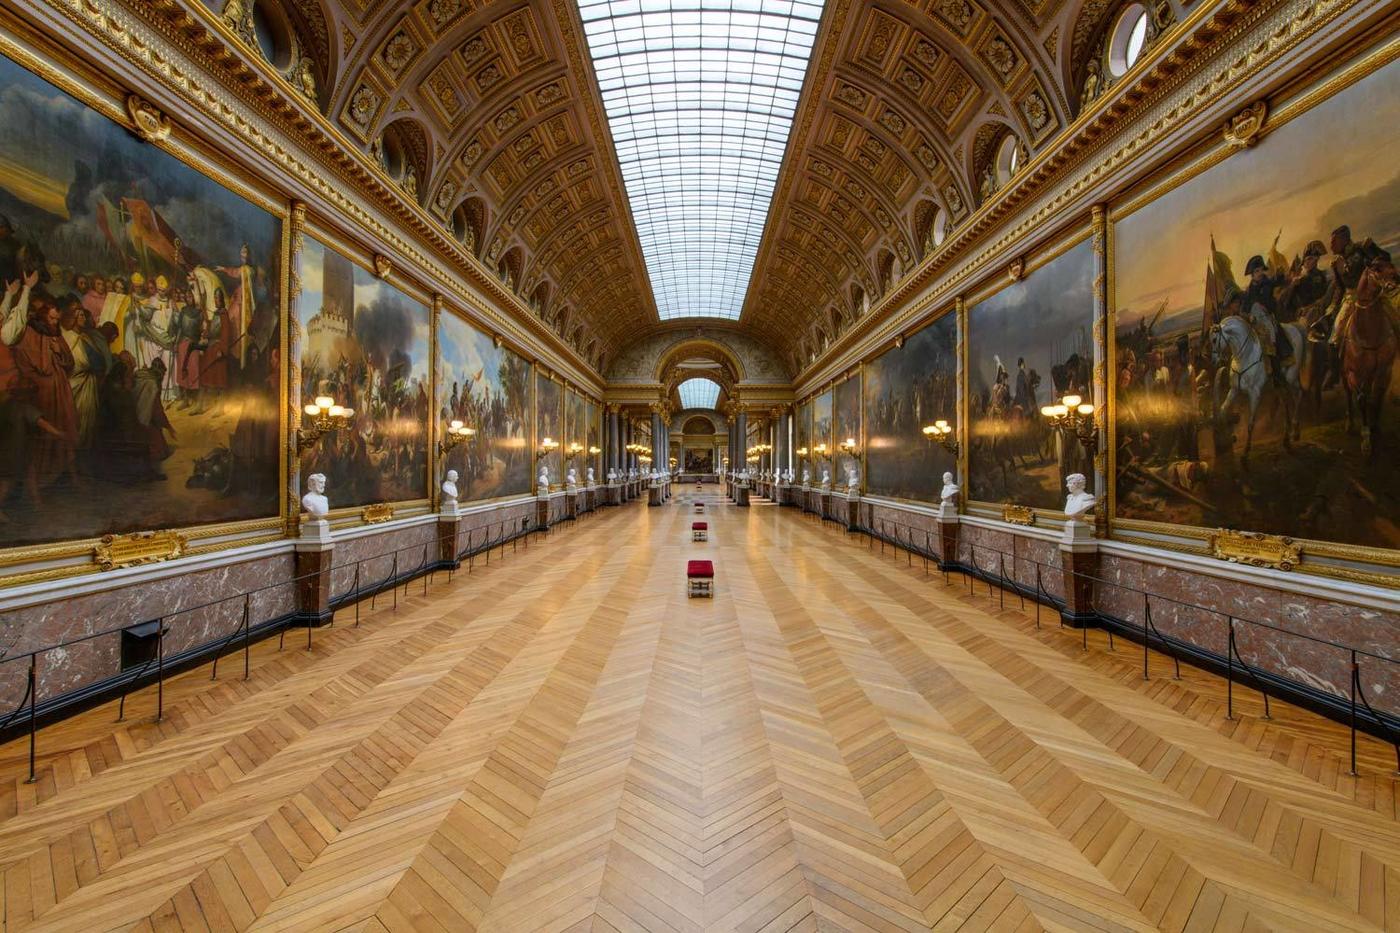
x,y
571,477
315,502
1078,504
449,492
589,477
316,527
852,479
806,476
542,482
949,494
826,478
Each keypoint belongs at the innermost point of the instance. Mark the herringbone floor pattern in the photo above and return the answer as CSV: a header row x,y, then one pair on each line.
x,y
562,741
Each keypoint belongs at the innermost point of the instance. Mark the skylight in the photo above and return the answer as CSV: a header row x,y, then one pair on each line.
x,y
698,393
700,97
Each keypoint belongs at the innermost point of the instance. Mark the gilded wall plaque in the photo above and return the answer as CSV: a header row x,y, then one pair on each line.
x,y
1256,549
114,551
379,512
1018,514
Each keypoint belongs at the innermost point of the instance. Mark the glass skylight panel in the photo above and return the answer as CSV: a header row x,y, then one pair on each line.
x,y
698,393
700,97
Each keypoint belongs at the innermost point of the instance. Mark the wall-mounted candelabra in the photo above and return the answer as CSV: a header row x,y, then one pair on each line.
x,y
572,451
457,433
325,416
942,432
1074,414
849,447
547,447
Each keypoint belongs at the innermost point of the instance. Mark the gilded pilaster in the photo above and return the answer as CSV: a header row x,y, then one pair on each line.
x,y
434,418
964,428
295,236
1099,224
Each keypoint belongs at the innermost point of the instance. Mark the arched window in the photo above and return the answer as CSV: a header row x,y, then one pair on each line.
x,y
1127,40
1008,161
939,231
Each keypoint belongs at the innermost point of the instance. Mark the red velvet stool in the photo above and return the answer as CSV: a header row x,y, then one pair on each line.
x,y
700,578
699,531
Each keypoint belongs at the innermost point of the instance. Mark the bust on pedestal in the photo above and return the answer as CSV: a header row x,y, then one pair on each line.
x,y
542,482
948,499
1079,507
806,477
571,480
314,550
449,494
1078,553
588,477
315,527
852,480
826,480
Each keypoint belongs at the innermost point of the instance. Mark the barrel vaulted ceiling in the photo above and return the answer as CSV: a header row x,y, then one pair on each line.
x,y
912,113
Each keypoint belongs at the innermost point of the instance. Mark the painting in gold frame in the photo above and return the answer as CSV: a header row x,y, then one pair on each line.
x,y
845,426
485,385
1234,280
1028,345
549,423
140,374
365,345
906,388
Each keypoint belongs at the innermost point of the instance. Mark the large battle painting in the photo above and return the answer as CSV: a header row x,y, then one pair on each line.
x,y
139,365
821,434
549,423
905,389
1029,345
802,439
487,388
576,431
845,425
593,438
364,344
1255,326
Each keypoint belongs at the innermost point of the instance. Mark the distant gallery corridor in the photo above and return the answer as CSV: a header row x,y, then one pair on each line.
x,y
561,739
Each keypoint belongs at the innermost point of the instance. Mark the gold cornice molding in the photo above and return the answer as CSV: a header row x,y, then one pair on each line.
x,y
249,101
1156,100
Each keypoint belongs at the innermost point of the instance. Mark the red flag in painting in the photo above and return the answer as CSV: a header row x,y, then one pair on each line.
x,y
149,231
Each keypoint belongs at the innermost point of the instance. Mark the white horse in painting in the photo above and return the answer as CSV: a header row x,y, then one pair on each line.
x,y
1248,375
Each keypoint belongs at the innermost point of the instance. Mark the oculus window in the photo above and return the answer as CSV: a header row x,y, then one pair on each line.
x,y
700,97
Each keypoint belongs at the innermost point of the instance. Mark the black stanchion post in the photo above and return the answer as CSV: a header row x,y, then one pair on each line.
x,y
1355,682
1230,669
160,669
33,729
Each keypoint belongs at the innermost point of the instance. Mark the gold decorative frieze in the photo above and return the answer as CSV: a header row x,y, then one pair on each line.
x,y
1018,514
377,513
1242,130
150,547
146,120
1256,549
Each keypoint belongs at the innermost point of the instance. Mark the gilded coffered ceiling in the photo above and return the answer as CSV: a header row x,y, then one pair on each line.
x,y
915,113
488,114
484,113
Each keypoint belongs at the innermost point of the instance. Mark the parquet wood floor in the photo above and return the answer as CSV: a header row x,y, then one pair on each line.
x,y
563,741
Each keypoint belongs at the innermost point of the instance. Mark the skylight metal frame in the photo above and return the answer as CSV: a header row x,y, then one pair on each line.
x,y
698,392
700,97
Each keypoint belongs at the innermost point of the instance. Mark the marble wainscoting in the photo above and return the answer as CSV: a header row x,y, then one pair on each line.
x,y
1026,553
1196,607
1193,599
381,552
198,605
478,525
894,521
